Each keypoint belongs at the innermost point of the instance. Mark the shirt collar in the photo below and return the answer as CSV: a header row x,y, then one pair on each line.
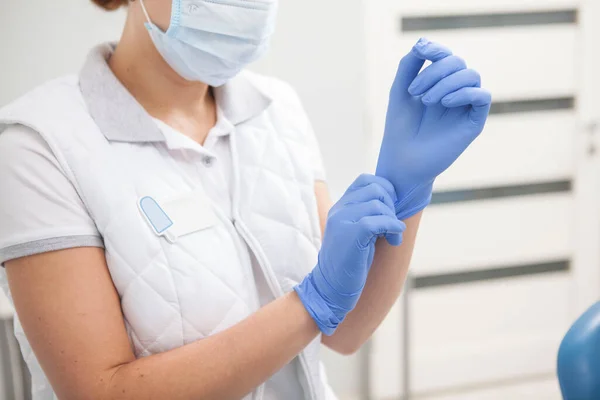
x,y
121,118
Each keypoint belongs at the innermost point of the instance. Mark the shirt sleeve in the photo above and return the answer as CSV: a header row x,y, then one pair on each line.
x,y
40,209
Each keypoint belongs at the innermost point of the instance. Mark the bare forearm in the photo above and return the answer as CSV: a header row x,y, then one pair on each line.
x,y
224,366
384,285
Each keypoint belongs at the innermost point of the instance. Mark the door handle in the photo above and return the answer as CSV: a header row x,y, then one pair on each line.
x,y
591,129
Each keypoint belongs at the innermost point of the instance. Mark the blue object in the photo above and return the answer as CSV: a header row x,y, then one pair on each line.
x,y
211,41
432,117
579,358
363,214
155,215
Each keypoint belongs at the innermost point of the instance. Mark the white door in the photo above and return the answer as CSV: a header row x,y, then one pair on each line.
x,y
508,254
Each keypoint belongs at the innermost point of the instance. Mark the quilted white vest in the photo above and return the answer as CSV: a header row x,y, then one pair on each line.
x,y
176,293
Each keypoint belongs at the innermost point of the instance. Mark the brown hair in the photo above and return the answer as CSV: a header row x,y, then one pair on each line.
x,y
110,5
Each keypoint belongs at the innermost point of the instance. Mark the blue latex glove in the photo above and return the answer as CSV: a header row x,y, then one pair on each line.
x,y
579,358
432,118
363,214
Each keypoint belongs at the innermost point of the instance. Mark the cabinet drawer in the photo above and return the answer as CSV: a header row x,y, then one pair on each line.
x,y
487,234
487,332
547,389
517,149
444,7
510,66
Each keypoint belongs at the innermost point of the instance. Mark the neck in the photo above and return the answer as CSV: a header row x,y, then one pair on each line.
x,y
186,106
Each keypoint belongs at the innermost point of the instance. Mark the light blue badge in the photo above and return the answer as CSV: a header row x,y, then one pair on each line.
x,y
155,215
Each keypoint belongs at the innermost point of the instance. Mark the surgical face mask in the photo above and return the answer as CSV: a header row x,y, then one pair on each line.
x,y
211,41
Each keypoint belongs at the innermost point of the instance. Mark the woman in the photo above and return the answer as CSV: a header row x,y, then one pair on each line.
x,y
162,212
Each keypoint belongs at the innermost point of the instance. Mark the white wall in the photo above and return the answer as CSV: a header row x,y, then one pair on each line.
x,y
317,48
45,39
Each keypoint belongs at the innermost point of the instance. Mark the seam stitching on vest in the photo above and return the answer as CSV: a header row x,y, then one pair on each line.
x,y
212,273
233,293
297,182
138,276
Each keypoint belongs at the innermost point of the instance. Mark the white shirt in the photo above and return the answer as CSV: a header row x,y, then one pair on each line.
x,y
41,211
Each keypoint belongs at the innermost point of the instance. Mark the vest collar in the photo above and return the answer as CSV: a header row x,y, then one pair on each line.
x,y
121,118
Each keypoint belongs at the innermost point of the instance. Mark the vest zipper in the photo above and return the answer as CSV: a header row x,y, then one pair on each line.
x,y
274,286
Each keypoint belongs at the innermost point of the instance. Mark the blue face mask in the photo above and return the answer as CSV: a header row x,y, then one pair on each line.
x,y
211,41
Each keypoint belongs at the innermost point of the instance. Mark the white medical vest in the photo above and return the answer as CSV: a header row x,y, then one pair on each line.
x,y
174,293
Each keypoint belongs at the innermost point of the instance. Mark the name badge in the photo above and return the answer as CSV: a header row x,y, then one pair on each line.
x,y
179,215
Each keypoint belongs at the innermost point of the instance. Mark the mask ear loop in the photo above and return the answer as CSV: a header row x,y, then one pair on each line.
x,y
176,15
145,12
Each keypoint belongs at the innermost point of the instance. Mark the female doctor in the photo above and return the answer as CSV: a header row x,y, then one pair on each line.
x,y
162,212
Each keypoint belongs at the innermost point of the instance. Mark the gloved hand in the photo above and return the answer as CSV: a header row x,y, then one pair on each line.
x,y
364,213
432,117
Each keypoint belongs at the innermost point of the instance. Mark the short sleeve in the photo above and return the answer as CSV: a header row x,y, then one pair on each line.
x,y
40,209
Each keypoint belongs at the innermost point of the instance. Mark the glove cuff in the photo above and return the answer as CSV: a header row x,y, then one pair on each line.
x,y
414,201
317,307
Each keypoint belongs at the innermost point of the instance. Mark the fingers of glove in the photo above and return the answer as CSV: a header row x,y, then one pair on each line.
x,y
373,226
409,68
480,99
373,191
431,51
354,212
458,80
365,180
394,239
435,73
411,64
